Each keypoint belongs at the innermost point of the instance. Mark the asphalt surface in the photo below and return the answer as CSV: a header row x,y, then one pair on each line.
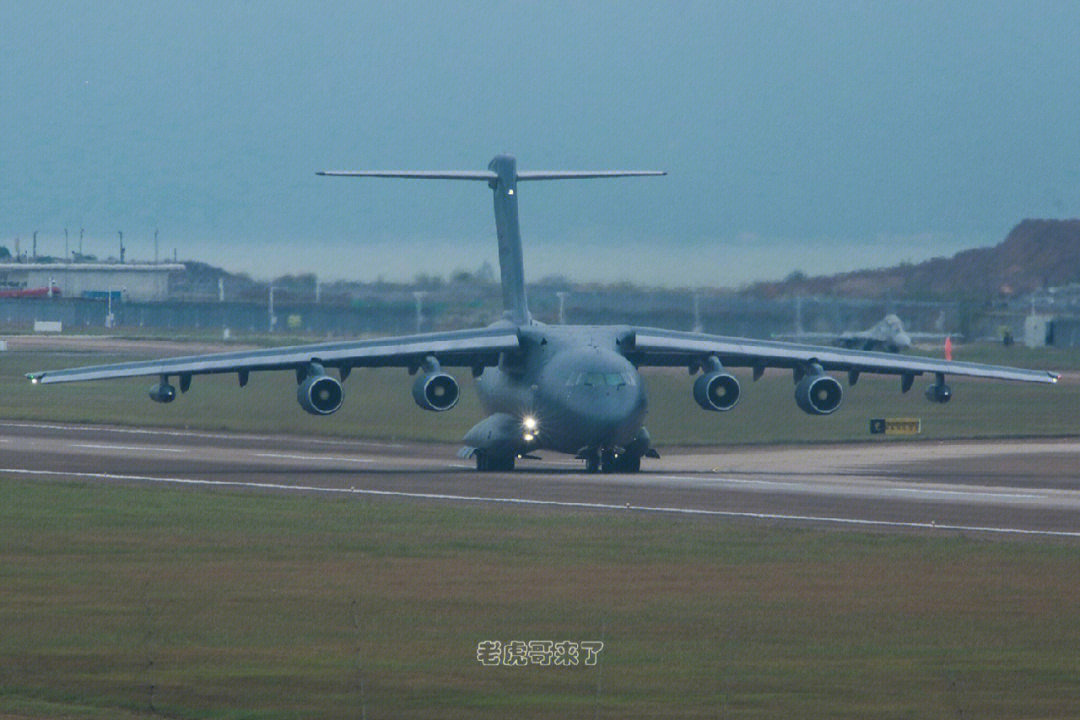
x,y
1028,488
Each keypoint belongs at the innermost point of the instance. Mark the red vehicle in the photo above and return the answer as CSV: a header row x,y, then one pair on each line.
x,y
30,292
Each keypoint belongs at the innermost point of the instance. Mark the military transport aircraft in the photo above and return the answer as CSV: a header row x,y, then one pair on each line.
x,y
571,389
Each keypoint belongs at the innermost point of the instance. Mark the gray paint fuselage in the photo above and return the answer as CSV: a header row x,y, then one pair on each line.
x,y
544,382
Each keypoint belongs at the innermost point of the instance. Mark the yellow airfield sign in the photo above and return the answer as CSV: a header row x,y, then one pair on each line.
x,y
895,426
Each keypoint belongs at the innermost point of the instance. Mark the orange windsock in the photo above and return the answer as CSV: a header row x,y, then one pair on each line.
x,y
948,347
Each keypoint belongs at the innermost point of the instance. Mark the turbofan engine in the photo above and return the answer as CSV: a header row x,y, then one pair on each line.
x,y
162,392
716,391
318,393
818,394
435,391
939,393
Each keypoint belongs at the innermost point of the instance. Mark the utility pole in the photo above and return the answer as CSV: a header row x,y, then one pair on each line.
x,y
562,306
121,234
270,309
80,242
419,295
35,245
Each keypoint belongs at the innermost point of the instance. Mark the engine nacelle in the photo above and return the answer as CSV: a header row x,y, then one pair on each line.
x,y
716,391
818,394
939,393
162,393
435,391
320,394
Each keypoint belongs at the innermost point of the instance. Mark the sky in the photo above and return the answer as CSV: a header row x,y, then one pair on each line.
x,y
805,136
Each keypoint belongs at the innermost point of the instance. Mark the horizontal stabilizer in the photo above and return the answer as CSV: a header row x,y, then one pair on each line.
x,y
488,175
419,174
583,174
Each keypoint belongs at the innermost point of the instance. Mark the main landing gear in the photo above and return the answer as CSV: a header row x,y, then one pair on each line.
x,y
608,461
487,462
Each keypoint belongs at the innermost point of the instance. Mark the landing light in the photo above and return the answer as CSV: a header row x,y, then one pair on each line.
x,y
528,437
529,423
33,381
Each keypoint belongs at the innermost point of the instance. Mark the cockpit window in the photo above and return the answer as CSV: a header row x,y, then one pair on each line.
x,y
600,379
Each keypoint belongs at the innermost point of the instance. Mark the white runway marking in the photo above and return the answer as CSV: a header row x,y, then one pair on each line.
x,y
101,446
313,457
192,433
817,487
859,522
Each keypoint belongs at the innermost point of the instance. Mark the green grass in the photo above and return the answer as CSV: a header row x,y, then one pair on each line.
x,y
379,405
214,603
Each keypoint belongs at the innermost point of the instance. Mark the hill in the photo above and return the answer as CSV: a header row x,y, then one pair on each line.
x,y
1035,254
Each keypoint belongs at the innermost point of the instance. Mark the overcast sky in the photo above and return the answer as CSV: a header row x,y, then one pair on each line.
x,y
811,136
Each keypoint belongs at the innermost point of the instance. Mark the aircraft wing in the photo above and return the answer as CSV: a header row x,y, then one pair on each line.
x,y
462,348
654,347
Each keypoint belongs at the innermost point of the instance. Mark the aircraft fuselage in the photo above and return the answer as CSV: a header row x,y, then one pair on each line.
x,y
576,385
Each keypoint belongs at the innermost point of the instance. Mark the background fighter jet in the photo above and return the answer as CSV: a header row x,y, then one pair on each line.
x,y
572,389
887,334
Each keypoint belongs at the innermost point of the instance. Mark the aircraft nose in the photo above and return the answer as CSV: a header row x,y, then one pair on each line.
x,y
608,416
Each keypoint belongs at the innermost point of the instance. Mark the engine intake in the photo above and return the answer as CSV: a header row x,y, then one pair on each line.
x,y
435,391
320,394
818,394
939,393
162,392
716,391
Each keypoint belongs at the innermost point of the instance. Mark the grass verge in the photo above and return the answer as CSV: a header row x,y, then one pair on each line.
x,y
120,601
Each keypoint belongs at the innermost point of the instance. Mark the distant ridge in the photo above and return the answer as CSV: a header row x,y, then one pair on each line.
x,y
1035,254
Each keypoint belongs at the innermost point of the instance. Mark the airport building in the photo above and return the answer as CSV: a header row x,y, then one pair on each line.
x,y
138,282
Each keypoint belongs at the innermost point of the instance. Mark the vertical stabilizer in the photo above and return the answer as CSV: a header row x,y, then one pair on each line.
x,y
511,262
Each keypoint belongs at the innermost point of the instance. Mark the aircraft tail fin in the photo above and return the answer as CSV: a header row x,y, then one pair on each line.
x,y
502,177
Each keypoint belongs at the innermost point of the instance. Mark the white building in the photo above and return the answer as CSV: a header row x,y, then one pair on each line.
x,y
138,282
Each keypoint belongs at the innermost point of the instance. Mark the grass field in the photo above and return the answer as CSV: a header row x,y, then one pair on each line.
x,y
378,404
133,602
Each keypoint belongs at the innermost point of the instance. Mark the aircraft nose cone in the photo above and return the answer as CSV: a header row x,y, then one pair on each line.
x,y
607,416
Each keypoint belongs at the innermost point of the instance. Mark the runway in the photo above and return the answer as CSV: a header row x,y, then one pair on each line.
x,y
1021,488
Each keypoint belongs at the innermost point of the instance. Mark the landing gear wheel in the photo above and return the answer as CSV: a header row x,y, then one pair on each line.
x,y
607,461
494,463
628,463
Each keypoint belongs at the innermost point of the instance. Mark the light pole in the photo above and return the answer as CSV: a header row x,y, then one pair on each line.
x,y
270,309
419,296
562,306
